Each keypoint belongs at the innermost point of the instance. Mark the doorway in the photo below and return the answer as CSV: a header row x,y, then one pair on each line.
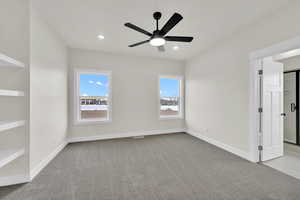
x,y
275,107
291,107
287,48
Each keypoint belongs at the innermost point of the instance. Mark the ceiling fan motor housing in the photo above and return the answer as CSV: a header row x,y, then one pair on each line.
x,y
156,34
157,15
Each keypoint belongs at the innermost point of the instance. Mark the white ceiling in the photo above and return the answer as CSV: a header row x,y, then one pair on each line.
x,y
209,21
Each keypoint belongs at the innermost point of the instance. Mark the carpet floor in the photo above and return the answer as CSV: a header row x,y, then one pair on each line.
x,y
165,167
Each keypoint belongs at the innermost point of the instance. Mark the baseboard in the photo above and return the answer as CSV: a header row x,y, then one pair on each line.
x,y
289,141
37,169
124,135
221,145
13,180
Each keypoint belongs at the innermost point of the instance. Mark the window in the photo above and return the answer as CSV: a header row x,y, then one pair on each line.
x,y
171,100
93,96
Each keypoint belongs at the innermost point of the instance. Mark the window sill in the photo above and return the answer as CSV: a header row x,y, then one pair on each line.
x,y
92,122
170,117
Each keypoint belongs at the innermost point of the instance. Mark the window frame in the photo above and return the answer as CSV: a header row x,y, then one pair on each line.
x,y
181,97
77,117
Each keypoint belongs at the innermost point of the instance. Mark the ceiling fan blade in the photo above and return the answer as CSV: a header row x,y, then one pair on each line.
x,y
136,28
179,38
170,24
161,48
139,43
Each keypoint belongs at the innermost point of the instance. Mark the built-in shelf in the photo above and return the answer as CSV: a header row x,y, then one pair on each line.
x,y
6,125
9,155
11,93
6,61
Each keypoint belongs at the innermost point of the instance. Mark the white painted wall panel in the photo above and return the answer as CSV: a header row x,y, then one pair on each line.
x,y
134,92
48,91
217,81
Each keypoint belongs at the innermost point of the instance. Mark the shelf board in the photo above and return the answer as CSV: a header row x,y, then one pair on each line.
x,y
9,155
11,93
6,125
6,61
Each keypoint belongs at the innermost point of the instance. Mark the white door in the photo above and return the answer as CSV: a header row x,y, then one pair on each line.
x,y
272,120
290,133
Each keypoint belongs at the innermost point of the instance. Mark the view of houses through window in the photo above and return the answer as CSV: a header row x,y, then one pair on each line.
x,y
94,96
169,96
94,91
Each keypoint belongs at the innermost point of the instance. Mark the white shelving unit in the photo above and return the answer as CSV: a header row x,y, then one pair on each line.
x,y
9,155
6,61
11,93
7,125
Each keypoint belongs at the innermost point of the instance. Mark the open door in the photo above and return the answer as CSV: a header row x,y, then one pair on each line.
x,y
272,117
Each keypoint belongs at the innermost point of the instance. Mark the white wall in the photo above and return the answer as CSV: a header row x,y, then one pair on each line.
x,y
48,91
217,86
134,92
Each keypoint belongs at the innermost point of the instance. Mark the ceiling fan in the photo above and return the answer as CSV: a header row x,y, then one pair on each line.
x,y
158,38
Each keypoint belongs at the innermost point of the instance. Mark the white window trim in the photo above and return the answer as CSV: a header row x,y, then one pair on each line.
x,y
77,119
181,95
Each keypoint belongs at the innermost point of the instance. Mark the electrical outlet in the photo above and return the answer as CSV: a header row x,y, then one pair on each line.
x,y
204,130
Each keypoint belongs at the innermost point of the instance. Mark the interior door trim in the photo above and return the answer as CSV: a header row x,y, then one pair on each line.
x,y
297,107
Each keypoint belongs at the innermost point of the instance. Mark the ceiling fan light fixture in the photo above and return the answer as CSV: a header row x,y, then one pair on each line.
x,y
158,41
159,37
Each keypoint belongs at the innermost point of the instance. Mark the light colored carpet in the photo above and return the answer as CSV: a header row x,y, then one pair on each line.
x,y
166,167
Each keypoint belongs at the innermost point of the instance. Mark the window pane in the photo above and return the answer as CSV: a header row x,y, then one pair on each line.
x,y
94,90
169,96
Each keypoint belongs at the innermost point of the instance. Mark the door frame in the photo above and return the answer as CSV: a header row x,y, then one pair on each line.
x,y
297,71
255,65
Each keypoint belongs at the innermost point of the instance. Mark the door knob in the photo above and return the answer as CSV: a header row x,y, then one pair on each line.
x,y
283,114
293,107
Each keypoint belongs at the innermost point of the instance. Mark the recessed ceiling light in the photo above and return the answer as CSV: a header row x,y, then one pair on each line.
x,y
175,48
100,37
